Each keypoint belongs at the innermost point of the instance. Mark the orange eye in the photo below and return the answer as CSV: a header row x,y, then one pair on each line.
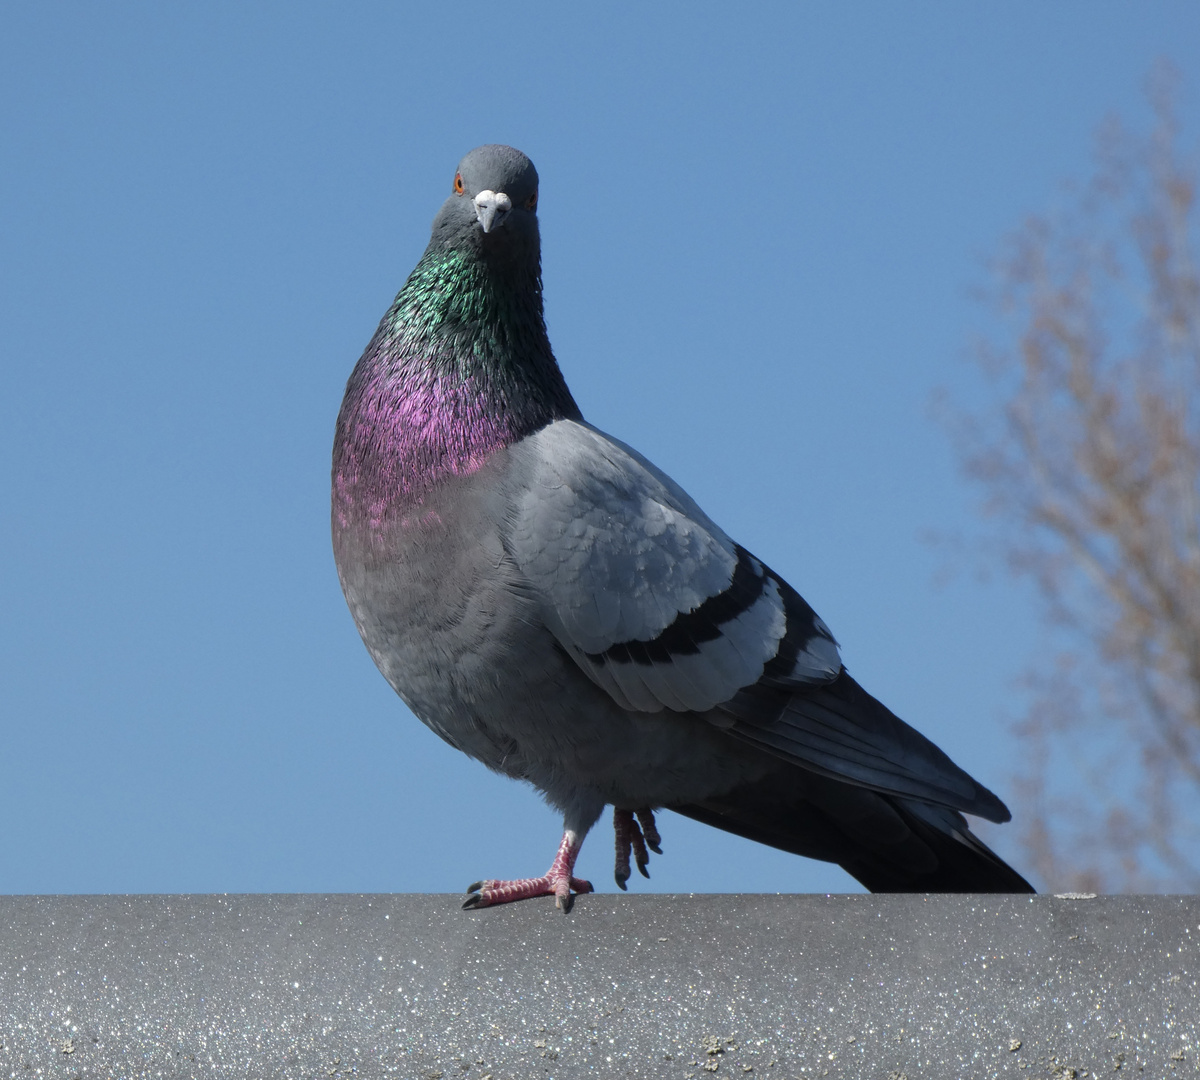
x,y
458,184
531,202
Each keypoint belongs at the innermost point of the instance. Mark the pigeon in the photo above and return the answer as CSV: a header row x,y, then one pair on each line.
x,y
549,602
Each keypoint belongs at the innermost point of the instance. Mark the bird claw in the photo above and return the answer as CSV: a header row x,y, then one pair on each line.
x,y
490,892
649,830
556,882
634,837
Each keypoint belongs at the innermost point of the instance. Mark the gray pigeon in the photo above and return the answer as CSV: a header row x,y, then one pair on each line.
x,y
549,602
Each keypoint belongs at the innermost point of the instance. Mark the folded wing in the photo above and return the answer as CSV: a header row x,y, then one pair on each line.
x,y
664,611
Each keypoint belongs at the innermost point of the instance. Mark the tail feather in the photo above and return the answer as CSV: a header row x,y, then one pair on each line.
x,y
889,843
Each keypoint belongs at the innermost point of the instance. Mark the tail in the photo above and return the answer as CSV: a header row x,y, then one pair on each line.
x,y
890,843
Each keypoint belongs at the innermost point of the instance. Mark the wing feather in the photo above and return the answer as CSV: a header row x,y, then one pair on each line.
x,y
641,587
664,611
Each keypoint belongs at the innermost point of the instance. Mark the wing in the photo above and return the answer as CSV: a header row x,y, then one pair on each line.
x,y
662,610
650,597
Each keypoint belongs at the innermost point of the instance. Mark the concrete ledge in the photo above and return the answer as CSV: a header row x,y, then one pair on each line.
x,y
637,986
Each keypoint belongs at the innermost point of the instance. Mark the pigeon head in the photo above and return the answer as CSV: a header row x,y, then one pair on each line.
x,y
493,204
460,365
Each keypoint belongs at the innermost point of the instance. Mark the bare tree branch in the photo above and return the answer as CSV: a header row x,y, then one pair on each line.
x,y
1090,470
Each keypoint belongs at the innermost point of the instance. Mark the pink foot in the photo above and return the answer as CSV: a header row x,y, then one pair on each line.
x,y
631,837
556,882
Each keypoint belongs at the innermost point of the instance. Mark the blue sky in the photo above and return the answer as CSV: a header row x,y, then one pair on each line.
x,y
761,232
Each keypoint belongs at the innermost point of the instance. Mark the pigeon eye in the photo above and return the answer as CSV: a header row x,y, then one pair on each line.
x,y
458,184
531,202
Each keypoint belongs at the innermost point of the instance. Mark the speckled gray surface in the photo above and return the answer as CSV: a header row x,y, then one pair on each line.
x,y
649,986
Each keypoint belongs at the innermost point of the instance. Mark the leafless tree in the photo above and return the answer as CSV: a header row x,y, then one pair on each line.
x,y
1091,477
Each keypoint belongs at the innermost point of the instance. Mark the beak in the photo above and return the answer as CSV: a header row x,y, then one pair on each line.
x,y
491,208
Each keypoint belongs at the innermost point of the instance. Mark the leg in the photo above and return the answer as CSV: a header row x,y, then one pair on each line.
x,y
635,837
556,882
